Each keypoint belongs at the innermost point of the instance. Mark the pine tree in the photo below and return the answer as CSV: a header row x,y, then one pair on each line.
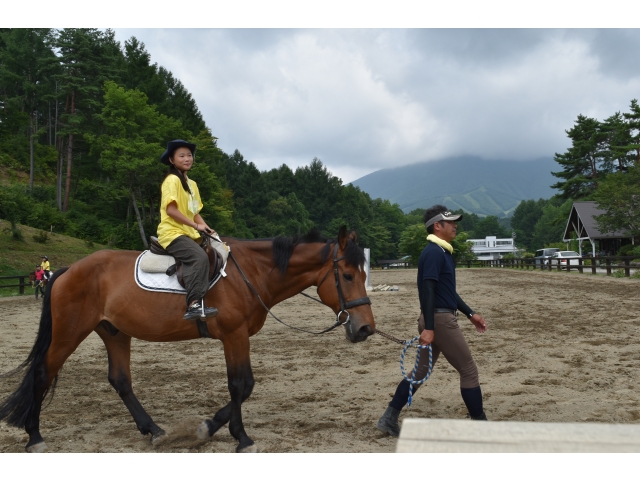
x,y
27,64
88,58
632,120
582,165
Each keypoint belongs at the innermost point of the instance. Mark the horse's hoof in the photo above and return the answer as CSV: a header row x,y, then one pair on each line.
x,y
37,448
158,437
203,431
250,449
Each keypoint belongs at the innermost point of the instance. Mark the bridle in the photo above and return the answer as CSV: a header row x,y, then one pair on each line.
x,y
344,306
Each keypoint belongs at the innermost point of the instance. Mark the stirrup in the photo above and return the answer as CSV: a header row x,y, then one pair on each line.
x,y
198,310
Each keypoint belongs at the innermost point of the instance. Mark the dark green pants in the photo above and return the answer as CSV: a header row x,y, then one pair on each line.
x,y
195,266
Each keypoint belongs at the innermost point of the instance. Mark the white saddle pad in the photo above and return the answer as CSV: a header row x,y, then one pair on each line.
x,y
160,281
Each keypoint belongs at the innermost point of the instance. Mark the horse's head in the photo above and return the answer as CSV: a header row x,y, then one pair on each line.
x,y
341,286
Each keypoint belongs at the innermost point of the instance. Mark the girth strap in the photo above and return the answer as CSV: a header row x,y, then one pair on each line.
x,y
202,328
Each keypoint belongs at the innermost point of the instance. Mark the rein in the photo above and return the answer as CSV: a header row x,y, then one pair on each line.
x,y
344,306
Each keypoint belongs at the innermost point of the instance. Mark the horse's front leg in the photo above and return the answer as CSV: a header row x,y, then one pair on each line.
x,y
240,382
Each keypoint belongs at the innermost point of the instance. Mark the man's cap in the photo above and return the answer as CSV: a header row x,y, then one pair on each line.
x,y
448,216
172,146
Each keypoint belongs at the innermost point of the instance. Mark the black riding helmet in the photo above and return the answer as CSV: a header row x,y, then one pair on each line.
x,y
172,146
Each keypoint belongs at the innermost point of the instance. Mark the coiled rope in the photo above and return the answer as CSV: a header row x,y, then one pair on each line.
x,y
412,381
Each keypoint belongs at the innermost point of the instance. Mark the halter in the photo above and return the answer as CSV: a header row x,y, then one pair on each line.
x,y
344,306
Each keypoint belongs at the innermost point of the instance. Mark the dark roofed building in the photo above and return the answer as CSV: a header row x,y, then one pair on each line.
x,y
582,222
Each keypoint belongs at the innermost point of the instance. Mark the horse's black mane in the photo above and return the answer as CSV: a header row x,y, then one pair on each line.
x,y
283,249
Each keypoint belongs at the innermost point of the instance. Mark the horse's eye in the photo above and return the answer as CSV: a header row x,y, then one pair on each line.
x,y
347,276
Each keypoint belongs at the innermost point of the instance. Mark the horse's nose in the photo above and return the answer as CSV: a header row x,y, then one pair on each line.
x,y
365,331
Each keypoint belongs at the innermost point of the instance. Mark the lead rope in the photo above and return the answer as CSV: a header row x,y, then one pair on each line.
x,y
407,344
413,380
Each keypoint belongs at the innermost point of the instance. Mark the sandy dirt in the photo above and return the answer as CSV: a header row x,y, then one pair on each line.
x,y
560,348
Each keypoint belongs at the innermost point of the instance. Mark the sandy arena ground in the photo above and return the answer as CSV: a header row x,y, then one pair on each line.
x,y
560,348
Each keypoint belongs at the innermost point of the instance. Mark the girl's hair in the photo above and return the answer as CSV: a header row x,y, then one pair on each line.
x,y
174,171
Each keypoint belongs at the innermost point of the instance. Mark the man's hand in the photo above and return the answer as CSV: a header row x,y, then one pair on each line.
x,y
426,337
479,322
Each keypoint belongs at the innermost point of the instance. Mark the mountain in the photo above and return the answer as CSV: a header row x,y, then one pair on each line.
x,y
484,187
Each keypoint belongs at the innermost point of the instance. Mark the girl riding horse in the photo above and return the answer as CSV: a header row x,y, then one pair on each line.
x,y
181,225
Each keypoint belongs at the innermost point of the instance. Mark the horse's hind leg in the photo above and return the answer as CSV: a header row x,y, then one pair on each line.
x,y
119,350
44,377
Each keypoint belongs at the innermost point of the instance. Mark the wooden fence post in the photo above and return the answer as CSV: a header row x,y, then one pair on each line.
x,y
21,280
593,265
608,265
627,269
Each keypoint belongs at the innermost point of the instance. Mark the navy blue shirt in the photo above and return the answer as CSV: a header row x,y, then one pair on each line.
x,y
436,263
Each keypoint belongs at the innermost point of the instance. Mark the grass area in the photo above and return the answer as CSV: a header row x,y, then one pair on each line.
x,y
19,257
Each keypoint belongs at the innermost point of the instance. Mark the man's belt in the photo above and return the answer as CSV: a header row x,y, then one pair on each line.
x,y
446,310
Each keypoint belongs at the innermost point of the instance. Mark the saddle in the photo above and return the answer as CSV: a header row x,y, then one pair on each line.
x,y
217,258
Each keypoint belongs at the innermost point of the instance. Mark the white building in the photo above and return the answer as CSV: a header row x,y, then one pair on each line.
x,y
492,248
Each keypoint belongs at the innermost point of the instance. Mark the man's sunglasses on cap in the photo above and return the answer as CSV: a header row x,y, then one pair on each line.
x,y
446,216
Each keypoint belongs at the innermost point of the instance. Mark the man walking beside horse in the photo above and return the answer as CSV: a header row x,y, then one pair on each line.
x,y
438,322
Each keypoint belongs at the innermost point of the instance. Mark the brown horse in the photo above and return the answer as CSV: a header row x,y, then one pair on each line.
x,y
98,293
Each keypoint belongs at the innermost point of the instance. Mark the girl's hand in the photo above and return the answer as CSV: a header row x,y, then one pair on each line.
x,y
204,228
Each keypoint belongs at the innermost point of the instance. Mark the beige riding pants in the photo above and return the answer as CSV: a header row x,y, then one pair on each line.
x,y
449,340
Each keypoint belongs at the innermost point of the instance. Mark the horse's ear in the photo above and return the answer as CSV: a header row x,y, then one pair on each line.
x,y
353,236
342,237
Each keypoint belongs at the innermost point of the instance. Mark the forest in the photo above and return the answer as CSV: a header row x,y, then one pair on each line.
x,y
84,120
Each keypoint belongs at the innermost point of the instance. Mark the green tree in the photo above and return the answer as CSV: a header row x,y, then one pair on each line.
x,y
288,216
617,155
131,144
318,189
632,121
414,217
619,197
524,220
582,164
412,241
88,57
27,64
550,228
490,226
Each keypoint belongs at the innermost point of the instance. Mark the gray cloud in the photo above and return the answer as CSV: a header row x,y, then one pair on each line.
x,y
361,100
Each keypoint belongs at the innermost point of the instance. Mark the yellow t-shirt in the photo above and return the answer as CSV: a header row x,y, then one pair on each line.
x,y
189,206
45,265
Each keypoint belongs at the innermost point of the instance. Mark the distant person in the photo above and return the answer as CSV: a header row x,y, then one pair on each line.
x,y
39,281
438,322
181,225
46,268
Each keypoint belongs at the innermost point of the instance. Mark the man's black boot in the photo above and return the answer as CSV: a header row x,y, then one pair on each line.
x,y
473,400
388,422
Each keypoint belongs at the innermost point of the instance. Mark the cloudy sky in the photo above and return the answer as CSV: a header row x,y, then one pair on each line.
x,y
365,99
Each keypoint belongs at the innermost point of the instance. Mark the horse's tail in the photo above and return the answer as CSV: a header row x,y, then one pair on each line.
x,y
18,406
